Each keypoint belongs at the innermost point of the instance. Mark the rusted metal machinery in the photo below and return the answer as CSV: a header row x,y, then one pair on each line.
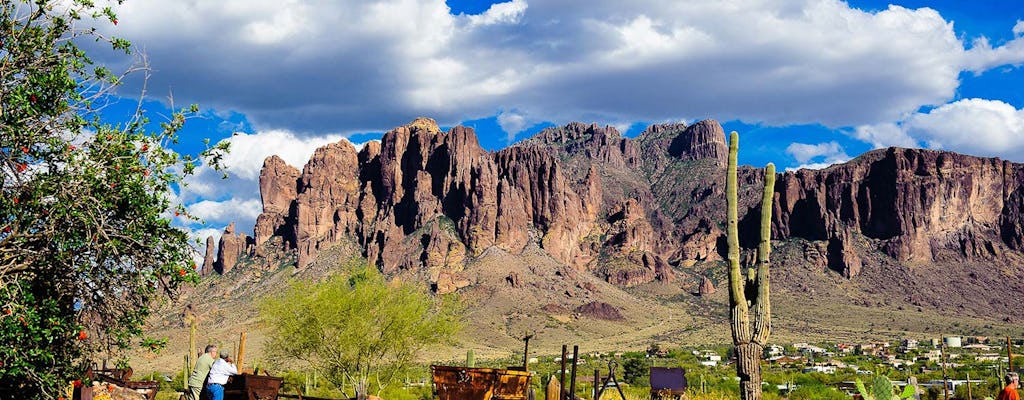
x,y
117,376
252,387
464,383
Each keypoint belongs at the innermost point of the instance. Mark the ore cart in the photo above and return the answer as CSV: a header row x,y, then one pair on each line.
x,y
252,387
464,383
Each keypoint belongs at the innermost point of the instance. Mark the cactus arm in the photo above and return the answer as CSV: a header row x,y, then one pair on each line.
x,y
763,304
737,298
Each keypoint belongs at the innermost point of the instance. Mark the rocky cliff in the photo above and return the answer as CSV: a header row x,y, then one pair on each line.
x,y
631,211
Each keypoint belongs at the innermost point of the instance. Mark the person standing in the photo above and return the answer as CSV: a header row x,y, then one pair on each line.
x,y
1010,391
219,373
199,373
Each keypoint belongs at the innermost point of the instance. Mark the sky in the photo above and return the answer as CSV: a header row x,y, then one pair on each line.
x,y
805,83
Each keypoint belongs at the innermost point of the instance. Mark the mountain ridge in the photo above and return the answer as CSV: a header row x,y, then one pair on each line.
x,y
424,203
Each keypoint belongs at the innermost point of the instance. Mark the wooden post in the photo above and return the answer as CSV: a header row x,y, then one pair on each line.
x,y
561,376
969,395
526,353
597,382
553,391
945,378
1009,354
572,383
241,351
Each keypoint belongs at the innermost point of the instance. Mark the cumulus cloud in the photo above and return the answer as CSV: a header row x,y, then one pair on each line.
x,y
980,127
822,154
315,67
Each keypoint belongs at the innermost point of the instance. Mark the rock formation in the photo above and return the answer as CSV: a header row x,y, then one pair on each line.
x,y
209,258
631,211
232,246
706,288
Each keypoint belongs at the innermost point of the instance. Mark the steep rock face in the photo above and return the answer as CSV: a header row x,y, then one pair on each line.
x,y
912,204
327,199
278,188
232,246
209,258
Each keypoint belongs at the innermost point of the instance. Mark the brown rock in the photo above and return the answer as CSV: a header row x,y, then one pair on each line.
x,y
232,246
706,287
278,191
703,140
600,310
209,258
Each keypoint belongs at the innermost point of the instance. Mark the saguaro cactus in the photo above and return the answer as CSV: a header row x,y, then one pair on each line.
x,y
751,318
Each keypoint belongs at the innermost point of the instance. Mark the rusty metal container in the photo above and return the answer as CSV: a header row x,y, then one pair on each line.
x,y
252,387
464,383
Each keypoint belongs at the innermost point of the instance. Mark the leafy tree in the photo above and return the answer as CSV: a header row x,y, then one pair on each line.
x,y
355,327
635,370
85,238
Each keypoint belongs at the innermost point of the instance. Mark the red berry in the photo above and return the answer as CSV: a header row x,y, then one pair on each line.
x,y
82,335
72,147
32,98
145,147
145,173
22,167
76,383
24,149
181,272
7,229
114,21
176,214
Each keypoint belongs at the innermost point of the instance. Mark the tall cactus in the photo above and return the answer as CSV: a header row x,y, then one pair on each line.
x,y
751,318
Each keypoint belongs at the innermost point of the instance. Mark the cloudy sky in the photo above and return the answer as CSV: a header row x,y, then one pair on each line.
x,y
806,83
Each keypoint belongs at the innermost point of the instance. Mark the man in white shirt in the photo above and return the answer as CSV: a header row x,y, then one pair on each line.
x,y
219,373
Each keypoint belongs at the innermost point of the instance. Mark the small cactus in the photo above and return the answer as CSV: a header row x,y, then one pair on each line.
x,y
882,389
470,359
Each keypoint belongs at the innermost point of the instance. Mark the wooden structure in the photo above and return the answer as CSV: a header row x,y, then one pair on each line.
x,y
668,383
464,383
252,387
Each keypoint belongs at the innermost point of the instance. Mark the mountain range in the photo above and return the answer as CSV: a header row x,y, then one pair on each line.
x,y
580,233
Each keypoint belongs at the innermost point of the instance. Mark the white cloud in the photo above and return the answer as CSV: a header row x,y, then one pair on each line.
x,y
347,67
1018,29
816,156
804,152
981,127
884,135
512,123
227,211
501,13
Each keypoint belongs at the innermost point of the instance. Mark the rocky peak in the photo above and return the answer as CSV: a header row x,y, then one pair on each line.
x,y
703,140
425,124
231,247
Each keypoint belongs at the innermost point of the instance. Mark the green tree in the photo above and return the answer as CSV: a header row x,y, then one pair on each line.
x,y
355,326
85,238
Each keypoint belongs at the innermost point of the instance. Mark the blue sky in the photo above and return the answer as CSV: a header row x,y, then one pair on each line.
x,y
806,83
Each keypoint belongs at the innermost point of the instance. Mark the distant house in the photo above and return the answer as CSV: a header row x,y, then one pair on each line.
x,y
825,369
774,350
952,341
908,344
710,359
